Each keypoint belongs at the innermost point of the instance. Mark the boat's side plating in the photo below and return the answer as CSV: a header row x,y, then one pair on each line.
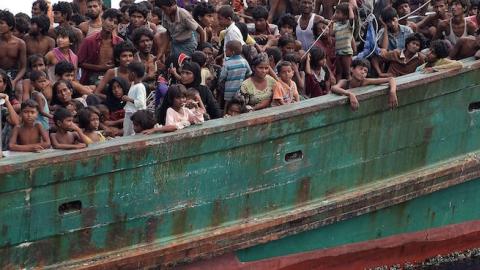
x,y
233,183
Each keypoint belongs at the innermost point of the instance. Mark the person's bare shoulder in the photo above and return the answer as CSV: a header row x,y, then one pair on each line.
x,y
83,27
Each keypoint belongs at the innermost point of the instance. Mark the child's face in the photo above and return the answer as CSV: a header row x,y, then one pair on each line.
x,y
71,109
261,25
228,52
39,65
234,109
68,76
63,42
286,29
41,83
340,16
289,48
359,73
94,121
179,102
117,90
222,21
125,58
286,73
187,77
207,20
413,46
64,94
209,53
29,115
66,124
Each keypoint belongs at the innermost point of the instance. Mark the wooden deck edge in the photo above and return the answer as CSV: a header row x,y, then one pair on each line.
x,y
285,222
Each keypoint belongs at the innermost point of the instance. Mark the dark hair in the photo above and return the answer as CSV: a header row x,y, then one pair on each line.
x,y
235,46
61,114
243,29
157,12
285,40
196,70
343,8
42,5
416,37
147,5
84,117
143,118
316,29
259,12
201,9
226,12
316,54
36,74
62,31
30,103
389,14
465,4
113,103
166,3
139,32
261,58
65,8
55,100
78,19
63,67
360,63
275,53
137,68
283,64
138,8
8,84
100,2
43,23
439,48
204,45
237,100
124,46
33,58
22,25
397,3
287,19
8,18
174,91
292,58
23,16
199,57
112,14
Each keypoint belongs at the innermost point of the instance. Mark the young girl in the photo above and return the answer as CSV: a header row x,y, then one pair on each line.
x,y
285,90
89,121
117,88
62,52
235,106
176,114
318,78
40,83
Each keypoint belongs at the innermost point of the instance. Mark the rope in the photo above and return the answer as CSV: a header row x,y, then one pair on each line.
x,y
420,7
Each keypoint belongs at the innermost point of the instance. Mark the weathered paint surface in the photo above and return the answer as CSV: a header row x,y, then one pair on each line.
x,y
211,181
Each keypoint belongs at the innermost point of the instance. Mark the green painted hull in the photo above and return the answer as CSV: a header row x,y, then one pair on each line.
x,y
227,186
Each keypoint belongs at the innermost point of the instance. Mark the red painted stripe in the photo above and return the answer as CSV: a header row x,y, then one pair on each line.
x,y
409,247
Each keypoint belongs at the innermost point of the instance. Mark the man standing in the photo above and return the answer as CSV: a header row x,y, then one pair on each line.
x,y
181,27
305,22
37,40
95,55
94,12
458,26
13,52
62,13
143,40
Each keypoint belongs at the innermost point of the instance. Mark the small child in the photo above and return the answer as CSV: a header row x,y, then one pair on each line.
x,y
177,114
68,135
195,104
29,136
89,121
285,90
359,78
144,123
40,83
200,58
235,106
343,30
318,77
287,45
235,70
136,98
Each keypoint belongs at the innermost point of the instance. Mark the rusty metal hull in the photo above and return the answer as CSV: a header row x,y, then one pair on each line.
x,y
258,185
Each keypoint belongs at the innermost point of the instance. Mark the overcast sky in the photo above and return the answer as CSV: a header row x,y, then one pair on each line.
x,y
25,6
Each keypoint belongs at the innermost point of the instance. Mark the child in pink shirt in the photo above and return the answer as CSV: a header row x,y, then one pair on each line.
x,y
178,113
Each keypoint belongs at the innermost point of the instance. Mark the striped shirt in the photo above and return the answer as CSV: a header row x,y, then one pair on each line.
x,y
343,38
234,72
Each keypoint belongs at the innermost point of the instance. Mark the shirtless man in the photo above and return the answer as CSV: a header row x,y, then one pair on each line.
x,y
39,7
280,7
305,22
458,26
95,55
37,41
13,52
94,12
428,25
62,13
466,47
143,41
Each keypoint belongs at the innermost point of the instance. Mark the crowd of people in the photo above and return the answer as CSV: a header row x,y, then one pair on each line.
x,y
77,73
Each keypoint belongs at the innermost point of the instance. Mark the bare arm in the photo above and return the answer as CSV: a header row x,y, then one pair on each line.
x,y
392,101
203,35
339,89
12,118
65,146
81,89
263,104
22,65
103,83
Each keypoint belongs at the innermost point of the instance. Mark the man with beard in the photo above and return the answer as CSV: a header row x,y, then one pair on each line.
x,y
458,26
95,55
13,52
62,13
143,41
94,12
37,40
305,22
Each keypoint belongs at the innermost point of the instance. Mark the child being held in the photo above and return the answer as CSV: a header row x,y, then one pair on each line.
x,y
89,121
40,83
29,136
136,98
144,123
68,135
177,114
285,90
195,104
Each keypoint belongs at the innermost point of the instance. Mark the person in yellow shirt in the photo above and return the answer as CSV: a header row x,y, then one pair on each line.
x,y
437,59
